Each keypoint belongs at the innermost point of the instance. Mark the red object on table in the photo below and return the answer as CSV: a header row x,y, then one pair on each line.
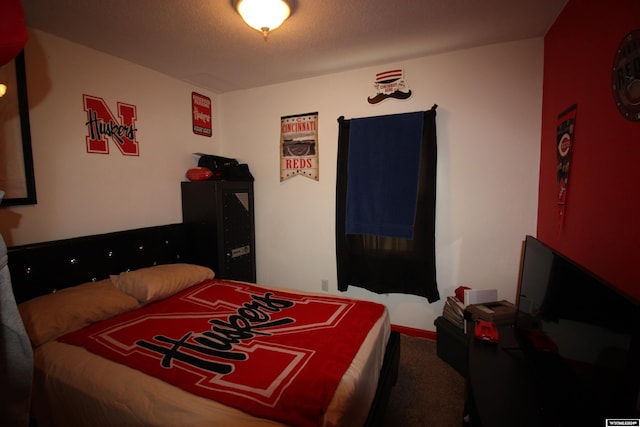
x,y
486,331
460,292
199,174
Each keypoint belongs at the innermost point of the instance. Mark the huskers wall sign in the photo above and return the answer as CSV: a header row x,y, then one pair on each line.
x,y
299,146
201,114
103,126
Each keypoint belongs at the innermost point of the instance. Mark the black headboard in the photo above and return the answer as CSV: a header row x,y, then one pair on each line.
x,y
40,268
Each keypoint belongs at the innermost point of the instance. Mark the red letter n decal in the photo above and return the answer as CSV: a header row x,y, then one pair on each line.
x,y
101,125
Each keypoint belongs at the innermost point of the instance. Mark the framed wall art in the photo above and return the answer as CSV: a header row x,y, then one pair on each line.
x,y
17,178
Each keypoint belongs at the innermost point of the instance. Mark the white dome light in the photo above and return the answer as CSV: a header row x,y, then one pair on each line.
x,y
264,15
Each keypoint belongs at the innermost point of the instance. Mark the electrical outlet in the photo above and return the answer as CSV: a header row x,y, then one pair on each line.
x,y
324,284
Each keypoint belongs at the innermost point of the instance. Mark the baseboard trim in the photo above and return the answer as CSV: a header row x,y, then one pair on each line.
x,y
414,332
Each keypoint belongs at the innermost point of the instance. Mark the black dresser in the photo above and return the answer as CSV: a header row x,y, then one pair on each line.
x,y
220,219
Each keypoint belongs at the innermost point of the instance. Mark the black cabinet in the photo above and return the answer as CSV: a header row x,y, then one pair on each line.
x,y
220,220
500,389
452,344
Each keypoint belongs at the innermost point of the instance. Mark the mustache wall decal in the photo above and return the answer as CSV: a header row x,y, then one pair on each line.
x,y
390,84
381,96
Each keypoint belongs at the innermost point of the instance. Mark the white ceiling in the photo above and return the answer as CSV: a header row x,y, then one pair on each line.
x,y
206,43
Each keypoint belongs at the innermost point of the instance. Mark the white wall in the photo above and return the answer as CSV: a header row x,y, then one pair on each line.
x,y
488,117
489,99
80,193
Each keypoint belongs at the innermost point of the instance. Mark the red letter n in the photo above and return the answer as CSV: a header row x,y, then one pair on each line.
x,y
101,124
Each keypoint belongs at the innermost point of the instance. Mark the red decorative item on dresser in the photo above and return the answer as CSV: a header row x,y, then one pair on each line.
x,y
199,174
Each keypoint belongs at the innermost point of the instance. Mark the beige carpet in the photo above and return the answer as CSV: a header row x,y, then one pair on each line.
x,y
429,392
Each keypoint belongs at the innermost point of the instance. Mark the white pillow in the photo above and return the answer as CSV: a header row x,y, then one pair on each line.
x,y
160,281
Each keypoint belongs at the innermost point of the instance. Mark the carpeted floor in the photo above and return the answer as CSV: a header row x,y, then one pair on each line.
x,y
429,392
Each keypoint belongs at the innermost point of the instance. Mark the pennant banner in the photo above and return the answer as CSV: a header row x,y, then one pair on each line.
x,y
299,146
564,145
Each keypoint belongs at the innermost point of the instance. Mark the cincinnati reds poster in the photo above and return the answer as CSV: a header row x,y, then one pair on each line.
x,y
299,146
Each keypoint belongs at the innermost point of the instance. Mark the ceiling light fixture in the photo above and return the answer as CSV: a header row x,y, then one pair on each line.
x,y
264,15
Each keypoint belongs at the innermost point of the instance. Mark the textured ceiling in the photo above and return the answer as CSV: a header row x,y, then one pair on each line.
x,y
206,43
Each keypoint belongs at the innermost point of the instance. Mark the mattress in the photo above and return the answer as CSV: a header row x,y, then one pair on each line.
x,y
74,387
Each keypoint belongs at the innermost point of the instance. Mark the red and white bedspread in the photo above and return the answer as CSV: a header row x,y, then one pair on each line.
x,y
270,353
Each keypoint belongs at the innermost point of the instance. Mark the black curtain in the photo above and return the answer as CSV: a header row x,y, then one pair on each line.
x,y
387,264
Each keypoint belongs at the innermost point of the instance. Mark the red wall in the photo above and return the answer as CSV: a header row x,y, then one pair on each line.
x,y
601,227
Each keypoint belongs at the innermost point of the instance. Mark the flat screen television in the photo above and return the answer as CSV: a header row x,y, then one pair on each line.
x,y
580,337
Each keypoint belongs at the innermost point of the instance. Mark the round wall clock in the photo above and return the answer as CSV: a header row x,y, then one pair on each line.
x,y
625,77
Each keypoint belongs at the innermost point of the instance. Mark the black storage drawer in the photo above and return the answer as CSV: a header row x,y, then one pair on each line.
x,y
452,344
220,222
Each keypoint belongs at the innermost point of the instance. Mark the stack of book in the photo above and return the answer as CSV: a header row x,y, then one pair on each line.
x,y
454,311
498,312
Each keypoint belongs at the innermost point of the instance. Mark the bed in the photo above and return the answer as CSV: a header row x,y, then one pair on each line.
x,y
75,384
